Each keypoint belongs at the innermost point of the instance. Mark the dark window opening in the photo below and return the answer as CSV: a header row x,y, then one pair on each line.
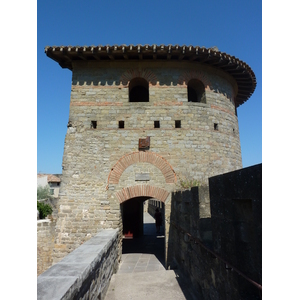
x,y
196,91
177,124
121,124
138,90
216,127
156,124
94,124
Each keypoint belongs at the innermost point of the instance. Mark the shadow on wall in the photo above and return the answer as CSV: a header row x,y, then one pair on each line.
x,y
185,222
220,255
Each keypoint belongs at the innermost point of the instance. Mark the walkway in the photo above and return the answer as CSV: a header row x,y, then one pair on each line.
x,y
141,273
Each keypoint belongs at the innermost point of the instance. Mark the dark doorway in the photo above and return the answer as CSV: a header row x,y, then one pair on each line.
x,y
132,217
139,230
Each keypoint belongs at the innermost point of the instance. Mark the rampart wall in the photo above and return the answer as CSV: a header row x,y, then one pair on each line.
x,y
85,273
45,244
221,255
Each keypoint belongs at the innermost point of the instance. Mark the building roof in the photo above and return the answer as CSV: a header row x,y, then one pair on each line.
x,y
239,70
50,177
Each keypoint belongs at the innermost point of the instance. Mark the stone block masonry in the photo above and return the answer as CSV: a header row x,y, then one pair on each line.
x,y
102,161
45,244
168,112
83,274
221,254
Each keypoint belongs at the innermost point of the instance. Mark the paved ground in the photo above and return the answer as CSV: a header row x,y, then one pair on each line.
x,y
142,275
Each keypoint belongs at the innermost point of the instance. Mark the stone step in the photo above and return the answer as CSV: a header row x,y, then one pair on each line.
x,y
166,284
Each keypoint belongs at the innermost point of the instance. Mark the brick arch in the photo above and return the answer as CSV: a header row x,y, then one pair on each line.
x,y
140,156
142,191
134,73
188,75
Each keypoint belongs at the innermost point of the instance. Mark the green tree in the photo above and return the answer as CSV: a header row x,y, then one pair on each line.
x,y
43,192
44,209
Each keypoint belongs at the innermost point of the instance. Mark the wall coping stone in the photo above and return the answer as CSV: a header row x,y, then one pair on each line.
x,y
66,277
43,221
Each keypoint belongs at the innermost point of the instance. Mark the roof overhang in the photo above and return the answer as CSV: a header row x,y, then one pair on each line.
x,y
239,70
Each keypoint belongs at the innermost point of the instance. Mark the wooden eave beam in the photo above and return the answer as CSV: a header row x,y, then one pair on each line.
x,y
154,49
109,53
95,53
140,53
79,53
204,56
194,56
243,79
235,72
65,56
219,62
243,95
182,53
227,66
169,53
125,55
246,86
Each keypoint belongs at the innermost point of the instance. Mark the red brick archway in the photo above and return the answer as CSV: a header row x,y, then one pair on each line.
x,y
142,191
142,73
132,158
188,75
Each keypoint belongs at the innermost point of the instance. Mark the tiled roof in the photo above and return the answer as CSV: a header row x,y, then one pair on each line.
x,y
238,69
50,177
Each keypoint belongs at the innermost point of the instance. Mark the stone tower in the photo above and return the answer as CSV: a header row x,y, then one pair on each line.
x,y
143,120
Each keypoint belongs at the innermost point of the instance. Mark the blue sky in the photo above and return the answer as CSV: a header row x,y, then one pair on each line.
x,y
234,26
35,99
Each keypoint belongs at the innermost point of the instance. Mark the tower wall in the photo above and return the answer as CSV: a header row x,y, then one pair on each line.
x,y
206,144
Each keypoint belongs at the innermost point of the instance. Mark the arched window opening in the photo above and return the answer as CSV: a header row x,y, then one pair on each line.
x,y
196,91
138,90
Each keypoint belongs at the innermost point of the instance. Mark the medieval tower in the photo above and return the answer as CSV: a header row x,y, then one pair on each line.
x,y
143,120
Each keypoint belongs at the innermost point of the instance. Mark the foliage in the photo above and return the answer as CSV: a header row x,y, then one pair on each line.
x,y
44,209
189,183
43,192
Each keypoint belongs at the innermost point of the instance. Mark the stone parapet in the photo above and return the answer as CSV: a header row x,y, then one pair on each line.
x,y
84,273
220,253
45,244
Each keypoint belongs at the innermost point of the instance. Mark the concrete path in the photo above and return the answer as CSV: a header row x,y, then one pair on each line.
x,y
142,274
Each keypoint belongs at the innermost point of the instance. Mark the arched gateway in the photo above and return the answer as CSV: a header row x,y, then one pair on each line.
x,y
142,191
132,196
141,156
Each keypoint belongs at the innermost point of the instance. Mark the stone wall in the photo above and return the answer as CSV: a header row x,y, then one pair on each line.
x,y
45,244
46,235
85,273
236,214
102,164
220,254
